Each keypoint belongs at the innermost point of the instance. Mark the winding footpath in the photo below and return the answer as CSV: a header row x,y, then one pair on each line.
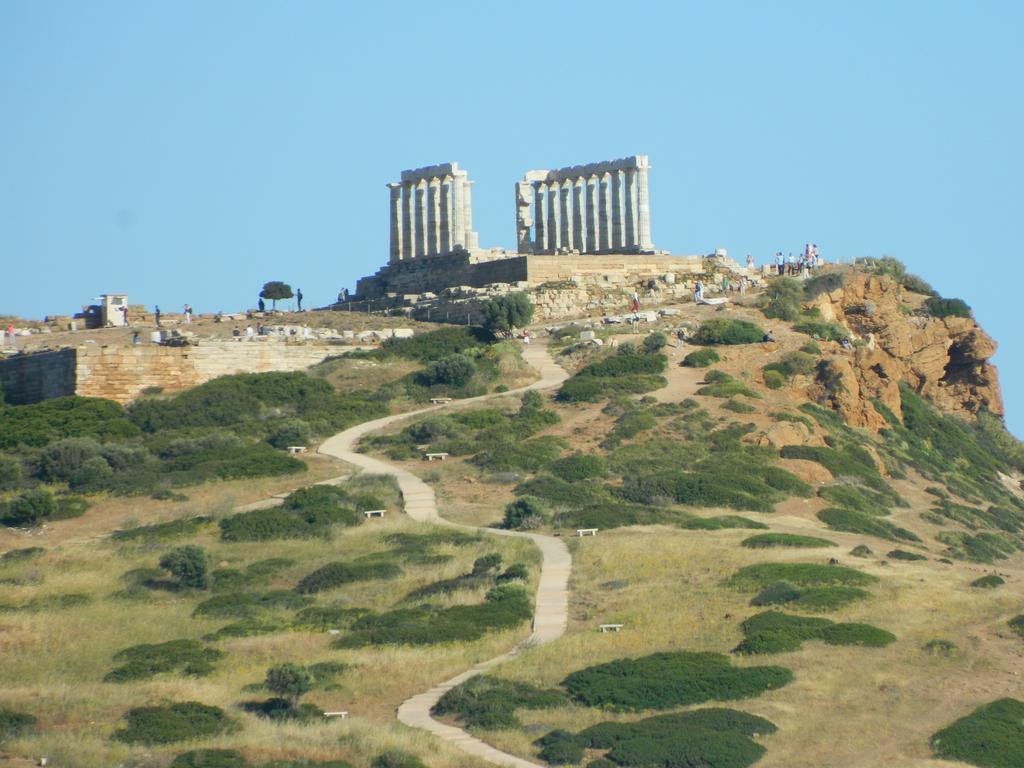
x,y
551,614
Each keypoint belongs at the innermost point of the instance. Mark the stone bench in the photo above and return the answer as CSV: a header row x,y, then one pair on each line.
x,y
374,513
610,627
341,713
440,400
438,456
587,531
293,449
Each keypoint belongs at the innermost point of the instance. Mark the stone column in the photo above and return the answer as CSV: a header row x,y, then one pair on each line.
x,y
524,217
643,207
458,194
434,216
554,218
604,214
421,218
396,222
407,221
617,243
467,215
630,234
446,215
540,243
593,219
566,214
579,221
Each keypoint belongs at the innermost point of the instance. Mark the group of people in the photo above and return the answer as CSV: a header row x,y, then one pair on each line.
x,y
797,263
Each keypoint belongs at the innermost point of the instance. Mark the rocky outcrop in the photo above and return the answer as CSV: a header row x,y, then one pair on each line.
x,y
943,359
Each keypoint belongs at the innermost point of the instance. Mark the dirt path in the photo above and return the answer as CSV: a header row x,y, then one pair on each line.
x,y
551,614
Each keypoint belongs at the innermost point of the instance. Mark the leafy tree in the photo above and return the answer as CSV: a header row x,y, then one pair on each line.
x,y
454,371
513,310
289,681
30,508
188,565
654,342
782,299
275,290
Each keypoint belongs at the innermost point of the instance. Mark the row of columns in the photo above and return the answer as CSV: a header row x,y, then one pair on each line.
x,y
607,212
431,215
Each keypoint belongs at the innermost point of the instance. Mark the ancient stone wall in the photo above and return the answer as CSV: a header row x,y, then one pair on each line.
x,y
31,378
434,274
123,373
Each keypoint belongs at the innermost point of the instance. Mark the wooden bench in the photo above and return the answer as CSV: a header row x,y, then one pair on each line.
x,y
587,531
333,632
374,513
293,449
341,714
610,627
439,456
440,400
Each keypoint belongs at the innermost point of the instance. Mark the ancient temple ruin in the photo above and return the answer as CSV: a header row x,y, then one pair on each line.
x,y
431,213
597,208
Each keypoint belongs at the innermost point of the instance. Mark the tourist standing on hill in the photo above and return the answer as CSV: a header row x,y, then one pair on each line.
x,y
10,337
262,305
156,315
188,315
750,262
780,264
298,297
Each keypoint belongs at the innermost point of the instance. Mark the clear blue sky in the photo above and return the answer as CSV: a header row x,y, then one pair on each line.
x,y
190,151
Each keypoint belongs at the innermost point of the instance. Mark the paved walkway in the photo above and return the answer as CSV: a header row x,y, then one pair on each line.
x,y
551,614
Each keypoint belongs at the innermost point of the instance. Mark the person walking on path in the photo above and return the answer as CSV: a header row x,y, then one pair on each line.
x,y
298,297
156,315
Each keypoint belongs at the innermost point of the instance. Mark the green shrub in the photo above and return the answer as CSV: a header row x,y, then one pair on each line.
x,y
507,453
42,423
30,508
452,371
782,299
503,313
811,348
1017,624
397,758
857,498
10,467
773,379
762,540
992,736
727,389
760,575
579,466
793,364
505,607
654,342
737,406
490,702
60,461
188,566
816,599
939,307
702,358
18,555
289,681
525,513
515,572
822,330
988,582
774,632
982,547
902,554
13,723
917,284
210,758
320,618
664,680
249,604
726,331
69,507
855,522
826,282
190,657
290,432
940,647
720,522
335,575
186,526
434,345
169,723
717,377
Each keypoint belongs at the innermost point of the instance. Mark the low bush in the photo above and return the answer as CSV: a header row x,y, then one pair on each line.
x,y
782,299
858,498
320,618
902,554
822,330
727,331
665,680
988,582
737,406
763,540
181,721
855,522
506,606
861,550
939,307
719,523
579,466
491,702
210,758
242,605
727,389
939,647
397,758
702,358
13,723
773,379
187,526
1017,624
826,282
189,657
30,508
774,632
982,547
992,736
793,364
525,513
335,575
18,555
760,575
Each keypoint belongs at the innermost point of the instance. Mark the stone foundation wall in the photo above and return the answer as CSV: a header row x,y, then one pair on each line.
x,y
434,274
615,268
122,373
32,378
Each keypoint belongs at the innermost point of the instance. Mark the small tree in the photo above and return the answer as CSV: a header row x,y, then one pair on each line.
x,y
513,310
188,565
654,342
275,290
289,681
455,371
30,508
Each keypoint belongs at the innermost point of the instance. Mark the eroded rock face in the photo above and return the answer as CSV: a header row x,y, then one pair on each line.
x,y
943,359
